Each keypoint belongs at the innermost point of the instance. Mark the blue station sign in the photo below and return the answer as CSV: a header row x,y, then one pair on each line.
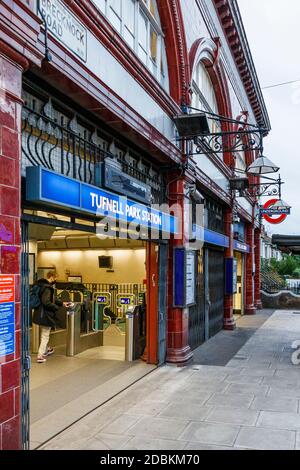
x,y
52,189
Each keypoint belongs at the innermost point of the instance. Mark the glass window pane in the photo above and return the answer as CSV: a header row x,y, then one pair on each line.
x,y
116,6
115,20
143,30
153,44
128,15
101,4
143,54
129,37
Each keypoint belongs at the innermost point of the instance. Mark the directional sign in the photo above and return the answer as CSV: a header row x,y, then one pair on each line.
x,y
268,212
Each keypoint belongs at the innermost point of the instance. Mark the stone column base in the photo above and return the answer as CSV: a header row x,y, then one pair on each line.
x,y
251,310
180,356
229,324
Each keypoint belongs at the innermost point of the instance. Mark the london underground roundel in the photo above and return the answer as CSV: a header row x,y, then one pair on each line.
x,y
273,219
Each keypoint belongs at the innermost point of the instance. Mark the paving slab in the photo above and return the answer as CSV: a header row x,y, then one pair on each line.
x,y
158,427
210,433
236,400
279,420
232,416
192,412
265,439
275,404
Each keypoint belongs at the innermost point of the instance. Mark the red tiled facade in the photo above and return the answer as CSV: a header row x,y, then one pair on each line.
x,y
21,48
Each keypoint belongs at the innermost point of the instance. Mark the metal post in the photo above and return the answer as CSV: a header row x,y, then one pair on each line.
x,y
70,333
129,352
35,338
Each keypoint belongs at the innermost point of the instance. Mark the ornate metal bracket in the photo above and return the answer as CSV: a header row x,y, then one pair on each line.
x,y
269,188
222,142
240,135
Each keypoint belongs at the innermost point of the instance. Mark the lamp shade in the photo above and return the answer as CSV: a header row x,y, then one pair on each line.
x,y
281,205
262,166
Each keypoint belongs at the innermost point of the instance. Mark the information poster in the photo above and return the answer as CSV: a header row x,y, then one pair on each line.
x,y
190,287
7,315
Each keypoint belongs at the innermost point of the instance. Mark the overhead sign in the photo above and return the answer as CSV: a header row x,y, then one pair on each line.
x,y
65,27
7,315
242,247
268,212
52,189
115,179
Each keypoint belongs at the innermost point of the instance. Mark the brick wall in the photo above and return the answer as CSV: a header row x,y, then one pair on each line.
x,y
10,130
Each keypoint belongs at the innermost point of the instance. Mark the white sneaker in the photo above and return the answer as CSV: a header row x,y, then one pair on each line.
x,y
41,359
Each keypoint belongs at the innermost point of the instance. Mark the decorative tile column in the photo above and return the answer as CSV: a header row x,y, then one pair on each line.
x,y
11,69
229,321
178,349
249,297
257,276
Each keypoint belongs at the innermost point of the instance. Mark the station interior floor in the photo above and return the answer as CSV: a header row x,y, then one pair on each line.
x,y
64,389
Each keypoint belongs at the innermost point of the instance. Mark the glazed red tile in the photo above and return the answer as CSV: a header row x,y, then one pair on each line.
x,y
10,201
17,392
7,406
18,316
11,435
7,171
10,259
7,230
10,143
7,112
17,345
10,375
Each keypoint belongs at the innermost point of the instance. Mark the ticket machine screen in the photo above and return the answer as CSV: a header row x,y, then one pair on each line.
x,y
102,299
125,300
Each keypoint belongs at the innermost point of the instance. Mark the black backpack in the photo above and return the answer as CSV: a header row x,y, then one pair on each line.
x,y
35,296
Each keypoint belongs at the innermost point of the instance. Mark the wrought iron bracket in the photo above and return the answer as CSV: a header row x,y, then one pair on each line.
x,y
48,56
269,188
241,136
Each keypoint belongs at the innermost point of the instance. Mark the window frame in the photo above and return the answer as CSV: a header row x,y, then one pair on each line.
x,y
158,68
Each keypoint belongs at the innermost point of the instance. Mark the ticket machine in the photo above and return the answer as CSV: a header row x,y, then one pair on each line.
x,y
101,308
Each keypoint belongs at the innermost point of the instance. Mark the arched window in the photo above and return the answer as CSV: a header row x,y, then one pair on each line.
x,y
138,22
204,96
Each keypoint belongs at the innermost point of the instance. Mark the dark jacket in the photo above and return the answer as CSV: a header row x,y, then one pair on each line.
x,y
45,314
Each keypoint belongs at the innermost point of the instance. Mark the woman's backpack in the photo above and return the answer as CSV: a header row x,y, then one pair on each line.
x,y
35,297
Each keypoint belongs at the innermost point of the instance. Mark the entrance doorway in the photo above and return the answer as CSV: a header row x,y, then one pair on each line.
x,y
238,298
98,281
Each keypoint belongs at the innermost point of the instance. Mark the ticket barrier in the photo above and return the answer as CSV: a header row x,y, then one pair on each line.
x,y
77,341
102,314
124,302
135,332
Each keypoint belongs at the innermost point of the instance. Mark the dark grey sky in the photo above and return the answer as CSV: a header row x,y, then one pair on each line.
x,y
273,30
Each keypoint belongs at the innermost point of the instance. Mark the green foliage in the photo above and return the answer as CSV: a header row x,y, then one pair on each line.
x,y
288,266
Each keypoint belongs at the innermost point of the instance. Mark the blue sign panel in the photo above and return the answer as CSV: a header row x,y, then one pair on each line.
x,y
7,328
179,278
208,236
231,276
239,246
46,186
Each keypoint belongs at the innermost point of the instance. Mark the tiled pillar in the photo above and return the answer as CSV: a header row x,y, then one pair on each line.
x,y
257,295
229,321
10,154
178,349
249,297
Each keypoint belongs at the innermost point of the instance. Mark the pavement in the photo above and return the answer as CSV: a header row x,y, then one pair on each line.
x,y
251,402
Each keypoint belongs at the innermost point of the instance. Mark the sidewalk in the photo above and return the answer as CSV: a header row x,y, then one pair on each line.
x,y
250,403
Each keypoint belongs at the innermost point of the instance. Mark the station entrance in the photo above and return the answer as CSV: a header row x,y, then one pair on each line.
x,y
99,281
